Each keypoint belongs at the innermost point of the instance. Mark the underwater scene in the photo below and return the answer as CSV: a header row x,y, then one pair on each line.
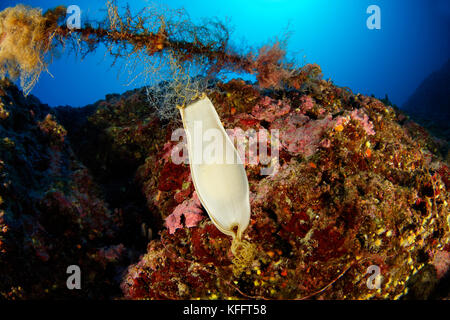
x,y
224,150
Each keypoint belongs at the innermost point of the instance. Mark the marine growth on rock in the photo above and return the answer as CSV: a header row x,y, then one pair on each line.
x,y
339,184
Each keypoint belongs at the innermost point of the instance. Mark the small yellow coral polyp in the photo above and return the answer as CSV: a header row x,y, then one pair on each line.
x,y
339,128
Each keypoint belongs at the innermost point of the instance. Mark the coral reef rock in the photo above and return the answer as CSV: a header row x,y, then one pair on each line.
x,y
52,213
355,206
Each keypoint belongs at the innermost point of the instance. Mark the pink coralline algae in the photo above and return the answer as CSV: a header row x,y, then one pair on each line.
x,y
298,133
306,103
301,135
441,262
268,109
191,209
363,119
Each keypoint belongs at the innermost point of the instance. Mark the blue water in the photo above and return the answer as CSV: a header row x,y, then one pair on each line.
x,y
413,41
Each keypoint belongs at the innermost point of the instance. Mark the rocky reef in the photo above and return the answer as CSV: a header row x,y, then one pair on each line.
x,y
356,184
52,213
